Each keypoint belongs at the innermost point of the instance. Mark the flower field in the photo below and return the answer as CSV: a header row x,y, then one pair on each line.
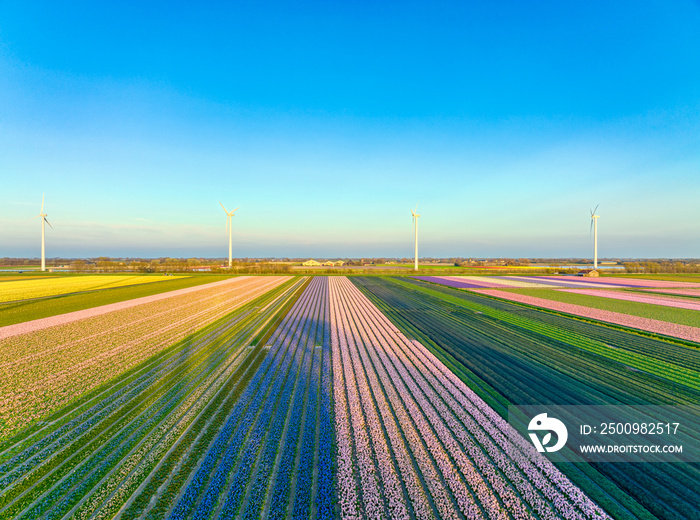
x,y
15,290
414,441
117,450
45,369
510,354
324,397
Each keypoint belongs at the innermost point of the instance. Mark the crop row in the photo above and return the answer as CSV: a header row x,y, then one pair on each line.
x,y
424,444
43,370
683,292
103,458
513,354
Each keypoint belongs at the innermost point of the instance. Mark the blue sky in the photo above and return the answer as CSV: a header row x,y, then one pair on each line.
x,y
325,122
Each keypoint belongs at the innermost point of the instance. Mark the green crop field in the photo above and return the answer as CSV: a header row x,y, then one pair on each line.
x,y
511,354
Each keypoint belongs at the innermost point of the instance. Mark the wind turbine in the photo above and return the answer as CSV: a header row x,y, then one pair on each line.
x,y
415,229
594,228
228,225
43,232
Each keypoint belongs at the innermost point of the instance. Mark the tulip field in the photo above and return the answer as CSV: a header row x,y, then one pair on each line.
x,y
414,441
511,353
44,368
326,397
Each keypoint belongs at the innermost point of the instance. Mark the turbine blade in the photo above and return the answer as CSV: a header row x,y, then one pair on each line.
x,y
235,210
596,209
223,207
46,220
591,230
42,202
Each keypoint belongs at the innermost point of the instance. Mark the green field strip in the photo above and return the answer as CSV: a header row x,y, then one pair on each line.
x,y
402,304
659,312
660,292
13,313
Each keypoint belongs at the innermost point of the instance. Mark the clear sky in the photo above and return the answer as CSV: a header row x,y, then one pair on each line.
x,y
327,121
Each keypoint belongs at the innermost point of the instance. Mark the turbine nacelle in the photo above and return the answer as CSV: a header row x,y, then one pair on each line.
x,y
594,216
413,212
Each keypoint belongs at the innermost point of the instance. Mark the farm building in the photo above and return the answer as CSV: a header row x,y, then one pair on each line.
x,y
587,272
311,263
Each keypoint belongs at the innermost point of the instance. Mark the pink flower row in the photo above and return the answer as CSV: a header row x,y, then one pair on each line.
x,y
631,282
687,292
647,324
680,303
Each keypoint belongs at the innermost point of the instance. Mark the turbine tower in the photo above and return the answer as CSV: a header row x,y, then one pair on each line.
x,y
415,230
228,225
594,227
43,232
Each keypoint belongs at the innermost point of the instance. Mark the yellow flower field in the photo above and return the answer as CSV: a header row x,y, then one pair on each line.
x,y
53,286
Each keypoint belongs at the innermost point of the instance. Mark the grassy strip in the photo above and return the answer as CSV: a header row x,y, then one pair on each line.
x,y
19,312
687,317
